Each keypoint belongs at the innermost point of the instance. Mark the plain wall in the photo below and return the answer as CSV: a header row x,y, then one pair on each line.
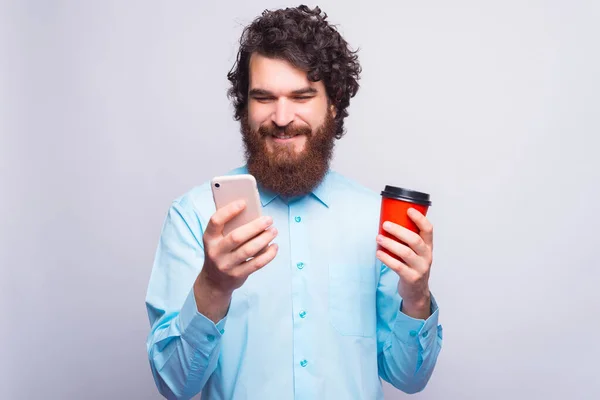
x,y
111,109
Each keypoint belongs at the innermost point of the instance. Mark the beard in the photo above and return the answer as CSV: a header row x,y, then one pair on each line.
x,y
283,170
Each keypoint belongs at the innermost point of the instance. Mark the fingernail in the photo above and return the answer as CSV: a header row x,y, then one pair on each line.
x,y
379,238
386,225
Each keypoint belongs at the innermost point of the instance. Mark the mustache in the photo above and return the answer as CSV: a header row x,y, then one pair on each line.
x,y
272,129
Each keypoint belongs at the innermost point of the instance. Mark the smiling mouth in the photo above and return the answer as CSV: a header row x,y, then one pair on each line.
x,y
284,136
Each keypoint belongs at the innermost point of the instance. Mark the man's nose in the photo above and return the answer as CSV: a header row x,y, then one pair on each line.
x,y
283,114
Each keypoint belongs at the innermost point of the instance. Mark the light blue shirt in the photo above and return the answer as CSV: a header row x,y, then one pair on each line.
x,y
321,321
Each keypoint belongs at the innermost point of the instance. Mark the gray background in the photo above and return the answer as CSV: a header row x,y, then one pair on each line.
x,y
110,109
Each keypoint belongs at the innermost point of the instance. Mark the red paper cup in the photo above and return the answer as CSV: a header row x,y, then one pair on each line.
x,y
395,203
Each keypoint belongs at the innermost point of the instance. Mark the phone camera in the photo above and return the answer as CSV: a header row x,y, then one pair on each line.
x,y
217,185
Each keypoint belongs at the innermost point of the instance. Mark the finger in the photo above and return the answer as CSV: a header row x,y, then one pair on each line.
x,y
241,235
410,258
425,227
262,251
412,240
260,260
222,216
396,265
252,247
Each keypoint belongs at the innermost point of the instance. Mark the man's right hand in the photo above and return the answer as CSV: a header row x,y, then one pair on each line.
x,y
230,259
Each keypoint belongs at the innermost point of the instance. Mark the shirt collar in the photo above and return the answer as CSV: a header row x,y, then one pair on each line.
x,y
322,192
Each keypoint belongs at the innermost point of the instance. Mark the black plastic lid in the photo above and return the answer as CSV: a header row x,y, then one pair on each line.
x,y
411,196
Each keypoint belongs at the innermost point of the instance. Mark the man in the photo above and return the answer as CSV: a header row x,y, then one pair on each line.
x,y
298,304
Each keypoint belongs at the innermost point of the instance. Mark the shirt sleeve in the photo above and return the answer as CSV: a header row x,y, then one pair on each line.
x,y
407,348
183,345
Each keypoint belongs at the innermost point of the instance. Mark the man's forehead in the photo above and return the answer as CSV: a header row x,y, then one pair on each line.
x,y
277,75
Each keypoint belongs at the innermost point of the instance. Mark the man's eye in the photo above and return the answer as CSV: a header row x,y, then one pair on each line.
x,y
303,97
263,99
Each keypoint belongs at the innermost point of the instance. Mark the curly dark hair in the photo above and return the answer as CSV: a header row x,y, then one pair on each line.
x,y
303,37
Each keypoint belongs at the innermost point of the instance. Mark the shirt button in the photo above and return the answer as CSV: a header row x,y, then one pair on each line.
x,y
222,331
413,333
300,265
298,219
302,314
211,338
425,333
303,363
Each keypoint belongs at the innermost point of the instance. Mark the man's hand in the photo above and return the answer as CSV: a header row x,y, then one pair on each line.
x,y
230,259
415,255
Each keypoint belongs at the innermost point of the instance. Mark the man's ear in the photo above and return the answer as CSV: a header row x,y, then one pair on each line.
x,y
333,110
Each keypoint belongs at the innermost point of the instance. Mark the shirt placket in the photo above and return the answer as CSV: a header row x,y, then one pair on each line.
x,y
304,362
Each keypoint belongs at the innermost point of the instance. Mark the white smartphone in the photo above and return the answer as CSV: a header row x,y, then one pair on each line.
x,y
230,188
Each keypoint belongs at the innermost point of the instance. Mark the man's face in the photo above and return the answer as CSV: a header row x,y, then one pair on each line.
x,y
289,127
280,95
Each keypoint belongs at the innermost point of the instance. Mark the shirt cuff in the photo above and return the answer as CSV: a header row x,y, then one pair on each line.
x,y
417,332
196,329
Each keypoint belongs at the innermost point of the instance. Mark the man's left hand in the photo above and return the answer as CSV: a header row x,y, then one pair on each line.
x,y
415,253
